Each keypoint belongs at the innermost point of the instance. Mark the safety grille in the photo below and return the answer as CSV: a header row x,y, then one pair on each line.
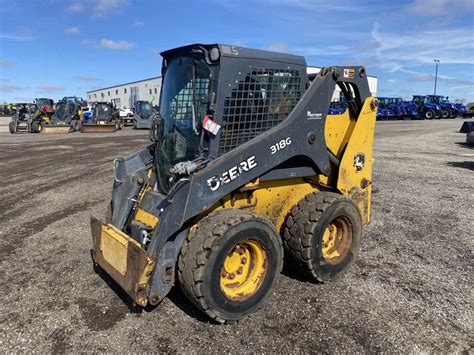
x,y
262,100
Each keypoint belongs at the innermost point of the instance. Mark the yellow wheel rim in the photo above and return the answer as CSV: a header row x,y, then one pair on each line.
x,y
337,240
244,270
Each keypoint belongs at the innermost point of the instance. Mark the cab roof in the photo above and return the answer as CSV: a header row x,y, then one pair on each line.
x,y
226,50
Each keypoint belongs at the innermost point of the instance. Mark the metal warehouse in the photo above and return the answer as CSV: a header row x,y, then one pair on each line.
x,y
125,95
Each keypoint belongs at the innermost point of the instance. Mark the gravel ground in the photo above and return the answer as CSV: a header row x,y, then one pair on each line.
x,y
410,290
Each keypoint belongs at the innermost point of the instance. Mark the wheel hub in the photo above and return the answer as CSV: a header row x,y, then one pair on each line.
x,y
337,240
244,270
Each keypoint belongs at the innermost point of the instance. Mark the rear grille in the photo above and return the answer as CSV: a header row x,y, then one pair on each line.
x,y
262,100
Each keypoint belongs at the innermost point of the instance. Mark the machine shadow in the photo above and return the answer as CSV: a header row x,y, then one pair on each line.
x,y
177,296
465,145
462,164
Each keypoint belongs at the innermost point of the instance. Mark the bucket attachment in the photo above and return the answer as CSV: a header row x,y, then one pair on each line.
x,y
122,258
59,129
98,128
22,128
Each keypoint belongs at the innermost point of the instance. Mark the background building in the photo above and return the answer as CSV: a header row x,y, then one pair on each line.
x,y
125,95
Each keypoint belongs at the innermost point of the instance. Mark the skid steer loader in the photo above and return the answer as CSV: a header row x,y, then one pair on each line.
x,y
105,119
66,119
245,166
22,118
142,116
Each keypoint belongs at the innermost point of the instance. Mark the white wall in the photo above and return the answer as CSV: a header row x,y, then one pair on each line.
x,y
121,95
371,79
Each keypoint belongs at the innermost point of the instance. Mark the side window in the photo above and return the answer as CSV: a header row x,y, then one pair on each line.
x,y
262,100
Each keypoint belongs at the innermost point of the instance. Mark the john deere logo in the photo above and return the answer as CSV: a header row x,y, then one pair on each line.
x,y
359,161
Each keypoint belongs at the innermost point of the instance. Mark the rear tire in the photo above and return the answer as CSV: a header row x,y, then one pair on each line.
x,y
11,127
229,265
429,114
322,235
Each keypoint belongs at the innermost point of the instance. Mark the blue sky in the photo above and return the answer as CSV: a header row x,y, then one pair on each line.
x,y
56,48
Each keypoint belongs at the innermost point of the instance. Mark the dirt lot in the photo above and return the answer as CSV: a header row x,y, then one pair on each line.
x,y
410,290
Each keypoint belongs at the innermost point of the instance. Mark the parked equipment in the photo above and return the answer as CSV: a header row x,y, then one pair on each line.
x,y
240,169
126,115
468,128
426,109
105,119
75,100
143,115
448,110
337,108
22,118
67,118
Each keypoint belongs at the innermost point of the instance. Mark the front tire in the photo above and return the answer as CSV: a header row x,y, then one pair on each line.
x,y
35,127
11,127
322,235
445,114
429,114
229,265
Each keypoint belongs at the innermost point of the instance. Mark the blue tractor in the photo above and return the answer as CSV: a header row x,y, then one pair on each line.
x,y
463,111
385,110
448,110
411,110
337,108
426,108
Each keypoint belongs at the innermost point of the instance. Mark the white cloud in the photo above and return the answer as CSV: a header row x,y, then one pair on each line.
x,y
72,30
50,89
116,45
138,23
450,46
16,37
97,7
76,6
85,77
10,88
6,63
440,7
277,47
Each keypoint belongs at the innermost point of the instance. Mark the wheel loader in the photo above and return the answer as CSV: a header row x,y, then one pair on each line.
x,y
245,169
66,119
105,119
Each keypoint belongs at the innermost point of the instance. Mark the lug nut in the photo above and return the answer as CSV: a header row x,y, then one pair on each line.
x,y
223,273
243,260
232,276
240,270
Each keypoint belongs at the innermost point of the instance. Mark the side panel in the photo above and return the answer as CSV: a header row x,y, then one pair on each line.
x,y
355,171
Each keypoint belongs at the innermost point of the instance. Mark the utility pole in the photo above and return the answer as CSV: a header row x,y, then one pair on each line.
x,y
436,75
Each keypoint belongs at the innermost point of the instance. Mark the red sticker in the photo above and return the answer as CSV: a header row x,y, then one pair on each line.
x,y
209,125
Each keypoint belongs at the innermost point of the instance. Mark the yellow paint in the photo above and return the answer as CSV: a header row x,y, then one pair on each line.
x,y
244,270
114,247
350,181
146,218
337,131
270,199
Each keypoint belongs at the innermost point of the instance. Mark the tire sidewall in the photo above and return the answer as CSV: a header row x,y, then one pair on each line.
x,y
326,271
246,230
